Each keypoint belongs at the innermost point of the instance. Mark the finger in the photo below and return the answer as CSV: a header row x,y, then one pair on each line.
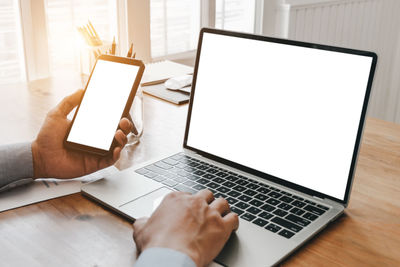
x,y
232,221
205,194
69,103
121,137
139,224
116,154
125,125
221,205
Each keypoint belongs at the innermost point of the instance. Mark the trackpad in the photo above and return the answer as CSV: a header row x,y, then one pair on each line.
x,y
145,205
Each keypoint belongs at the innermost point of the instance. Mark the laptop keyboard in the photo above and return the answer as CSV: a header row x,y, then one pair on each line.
x,y
275,210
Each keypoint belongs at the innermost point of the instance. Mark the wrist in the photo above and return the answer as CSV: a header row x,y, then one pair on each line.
x,y
38,166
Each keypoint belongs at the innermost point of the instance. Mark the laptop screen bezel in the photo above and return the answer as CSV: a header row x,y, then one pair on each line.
x,y
265,175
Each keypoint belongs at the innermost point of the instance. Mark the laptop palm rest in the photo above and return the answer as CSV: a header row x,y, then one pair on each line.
x,y
145,205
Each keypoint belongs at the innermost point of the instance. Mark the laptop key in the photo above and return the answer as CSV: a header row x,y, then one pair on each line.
x,y
268,208
193,177
177,156
322,207
285,206
229,184
223,189
231,200
265,215
245,198
163,165
252,186
261,197
189,169
297,211
242,182
314,210
203,181
286,199
253,210
209,176
212,171
263,190
234,193
274,194
280,213
158,170
236,210
212,185
141,171
273,201
199,172
189,183
159,178
202,167
170,182
248,217
250,192
180,179
231,178
151,175
242,205
170,161
310,216
222,174
184,188
273,227
286,233
198,187
289,225
260,222
298,203
256,202
298,220
218,180
239,188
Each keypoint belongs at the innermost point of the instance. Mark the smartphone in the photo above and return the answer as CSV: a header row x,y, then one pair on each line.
x,y
108,97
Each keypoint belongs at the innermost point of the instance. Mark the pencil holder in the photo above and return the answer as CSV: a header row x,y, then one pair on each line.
x,y
137,115
88,56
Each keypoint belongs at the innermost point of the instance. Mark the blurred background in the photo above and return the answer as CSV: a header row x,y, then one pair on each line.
x,y
39,38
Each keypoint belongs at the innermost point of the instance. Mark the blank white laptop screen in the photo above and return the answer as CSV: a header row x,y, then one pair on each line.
x,y
288,111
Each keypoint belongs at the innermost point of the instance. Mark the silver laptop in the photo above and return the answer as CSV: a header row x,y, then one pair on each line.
x,y
274,126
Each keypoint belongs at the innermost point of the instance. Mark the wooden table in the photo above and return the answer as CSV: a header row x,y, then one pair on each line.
x,y
74,231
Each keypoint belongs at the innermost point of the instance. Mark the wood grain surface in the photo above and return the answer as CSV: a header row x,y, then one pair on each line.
x,y
74,231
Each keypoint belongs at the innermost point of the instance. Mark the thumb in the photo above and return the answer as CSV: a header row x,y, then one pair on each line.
x,y
139,224
69,103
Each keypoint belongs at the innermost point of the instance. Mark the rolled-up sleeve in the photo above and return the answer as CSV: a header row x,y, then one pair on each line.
x,y
164,257
16,165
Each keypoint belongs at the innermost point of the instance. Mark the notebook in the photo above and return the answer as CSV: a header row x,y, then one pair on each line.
x,y
159,72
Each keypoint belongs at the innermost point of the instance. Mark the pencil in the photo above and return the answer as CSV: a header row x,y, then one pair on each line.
x,y
130,51
113,47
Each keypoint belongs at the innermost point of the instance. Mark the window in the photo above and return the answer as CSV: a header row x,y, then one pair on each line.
x,y
235,15
12,68
63,18
174,26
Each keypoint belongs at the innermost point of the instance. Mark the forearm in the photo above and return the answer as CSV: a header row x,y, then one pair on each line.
x,y
16,165
164,257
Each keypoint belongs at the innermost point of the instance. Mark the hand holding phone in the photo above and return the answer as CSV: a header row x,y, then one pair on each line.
x,y
108,96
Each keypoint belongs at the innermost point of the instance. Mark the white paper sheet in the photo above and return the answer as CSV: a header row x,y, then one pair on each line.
x,y
44,189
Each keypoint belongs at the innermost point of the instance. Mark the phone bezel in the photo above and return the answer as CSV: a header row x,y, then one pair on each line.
x,y
123,60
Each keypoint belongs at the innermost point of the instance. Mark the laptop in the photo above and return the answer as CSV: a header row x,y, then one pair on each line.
x,y
274,126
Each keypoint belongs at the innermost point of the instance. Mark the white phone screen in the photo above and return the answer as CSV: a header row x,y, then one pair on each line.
x,y
103,104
